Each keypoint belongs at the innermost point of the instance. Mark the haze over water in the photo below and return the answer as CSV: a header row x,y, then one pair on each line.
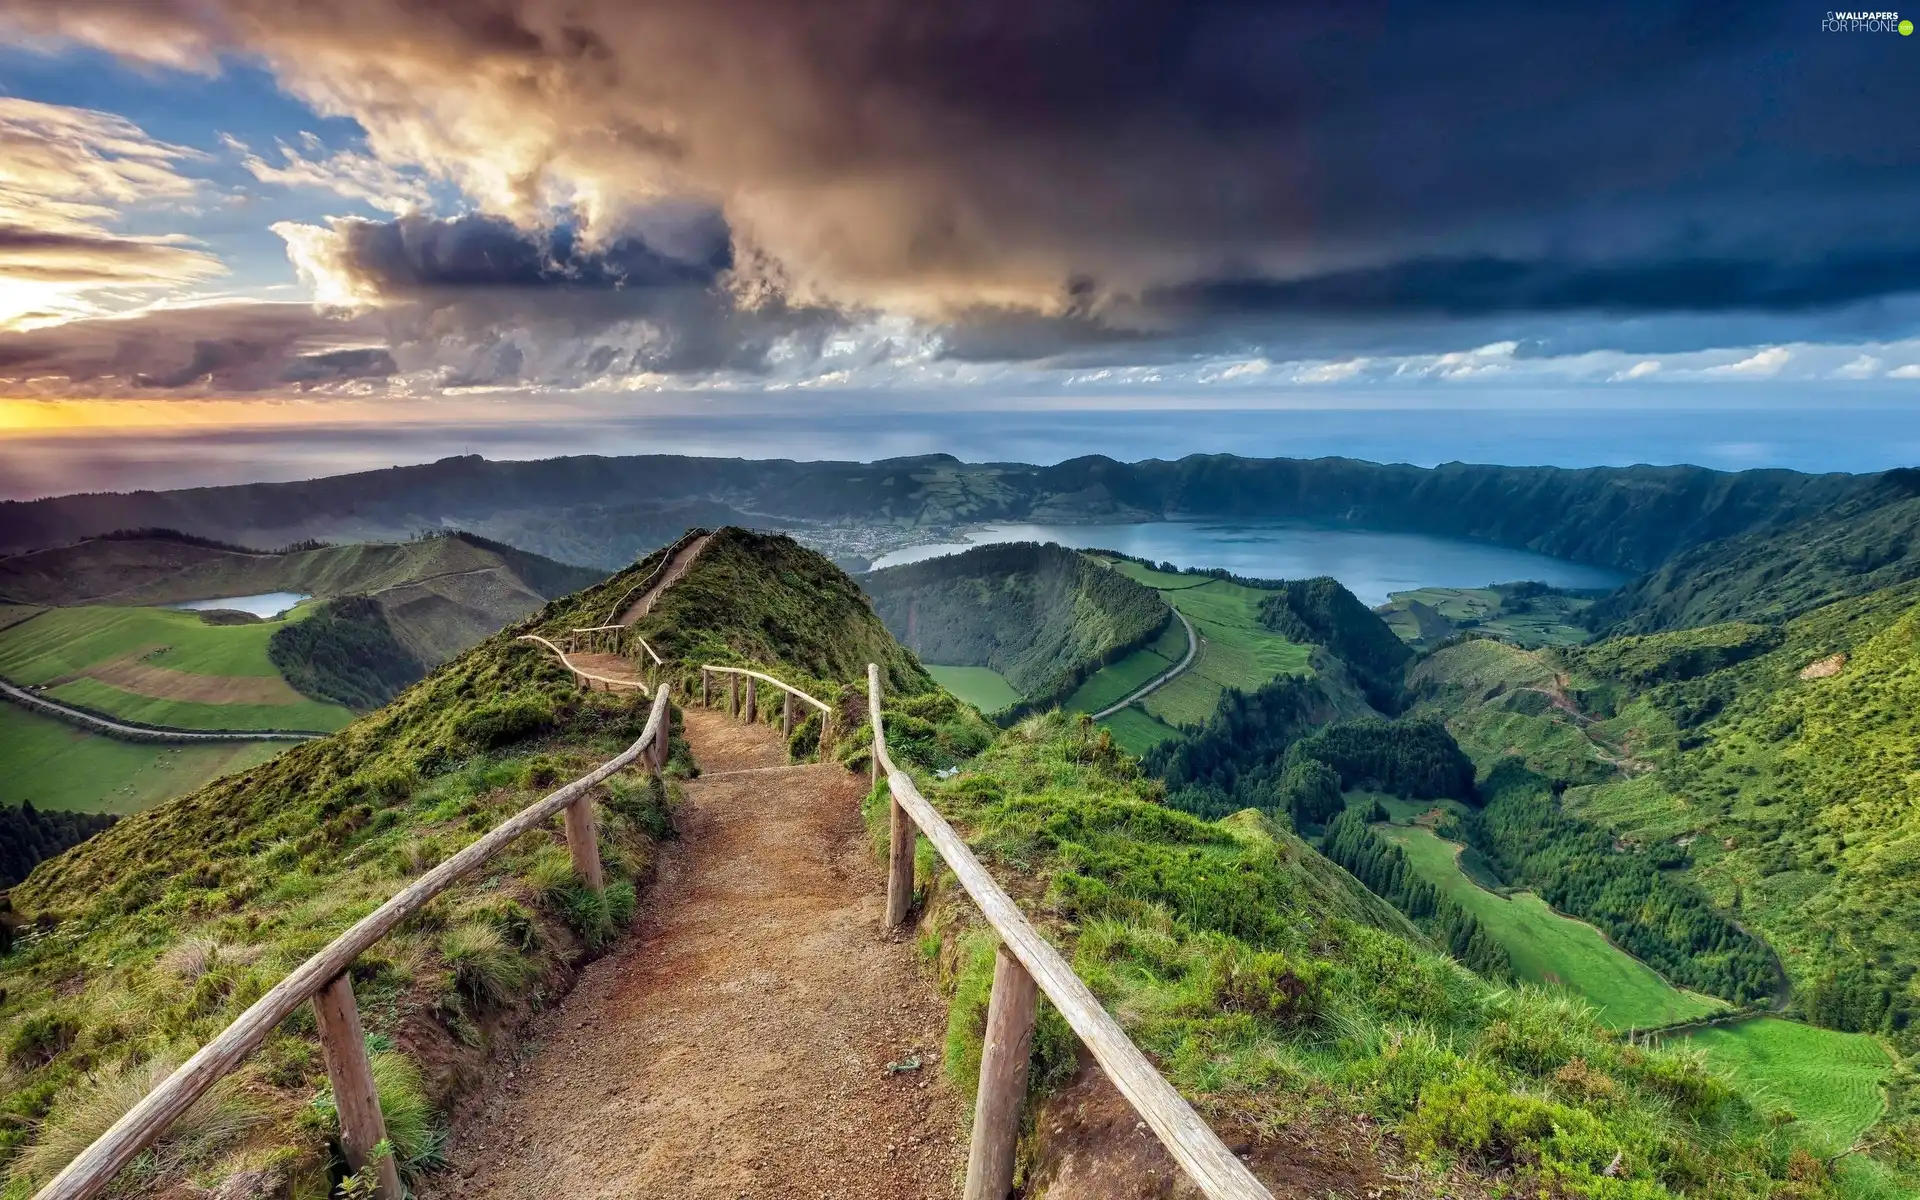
x,y
1370,565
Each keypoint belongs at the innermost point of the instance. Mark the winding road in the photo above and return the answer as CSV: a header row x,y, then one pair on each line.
x,y
1166,676
143,733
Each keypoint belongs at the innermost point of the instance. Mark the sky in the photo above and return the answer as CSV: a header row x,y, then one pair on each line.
x,y
328,231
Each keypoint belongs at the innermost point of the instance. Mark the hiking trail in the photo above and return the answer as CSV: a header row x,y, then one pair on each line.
x,y
739,1043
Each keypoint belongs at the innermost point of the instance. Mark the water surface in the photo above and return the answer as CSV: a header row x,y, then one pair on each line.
x,y
262,605
1368,563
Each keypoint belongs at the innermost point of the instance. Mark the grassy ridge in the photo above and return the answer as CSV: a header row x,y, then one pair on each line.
x,y
1043,616
144,941
1529,615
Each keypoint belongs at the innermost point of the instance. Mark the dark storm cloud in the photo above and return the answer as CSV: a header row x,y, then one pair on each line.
x,y
1196,167
239,347
420,254
364,363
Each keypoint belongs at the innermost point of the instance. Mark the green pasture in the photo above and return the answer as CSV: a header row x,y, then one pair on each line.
x,y
1831,1081
1549,948
983,687
1136,731
1431,614
304,716
57,766
62,645
1235,651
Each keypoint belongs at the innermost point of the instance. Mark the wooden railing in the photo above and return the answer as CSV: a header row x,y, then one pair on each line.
x,y
666,560
324,980
1025,966
749,708
585,677
613,639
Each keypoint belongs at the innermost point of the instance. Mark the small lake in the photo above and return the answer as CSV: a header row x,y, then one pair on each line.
x,y
264,605
1368,563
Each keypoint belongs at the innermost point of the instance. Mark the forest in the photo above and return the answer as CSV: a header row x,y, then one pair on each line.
x,y
1384,868
347,653
1580,870
28,835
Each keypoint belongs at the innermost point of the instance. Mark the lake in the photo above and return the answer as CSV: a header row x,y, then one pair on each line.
x,y
263,605
1368,563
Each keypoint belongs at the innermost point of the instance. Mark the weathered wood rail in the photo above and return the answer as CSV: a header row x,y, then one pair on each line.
x,y
323,980
584,677
611,639
748,707
1027,964
654,576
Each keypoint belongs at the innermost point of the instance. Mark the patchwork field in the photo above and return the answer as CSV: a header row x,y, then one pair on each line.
x,y
1515,613
983,687
59,767
1236,651
161,667
1549,948
1831,1081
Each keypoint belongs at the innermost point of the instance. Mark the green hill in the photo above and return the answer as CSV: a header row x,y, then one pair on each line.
x,y
1269,985
1861,543
1044,617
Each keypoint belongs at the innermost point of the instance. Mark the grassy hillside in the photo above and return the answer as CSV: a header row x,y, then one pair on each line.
x,y
1781,776
142,942
56,766
1551,949
1280,996
1042,616
1529,615
165,667
1860,544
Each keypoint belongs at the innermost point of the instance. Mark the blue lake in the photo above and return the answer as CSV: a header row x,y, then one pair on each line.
x,y
262,605
1370,564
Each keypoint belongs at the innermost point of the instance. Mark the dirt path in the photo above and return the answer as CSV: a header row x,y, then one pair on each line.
x,y
682,559
738,1043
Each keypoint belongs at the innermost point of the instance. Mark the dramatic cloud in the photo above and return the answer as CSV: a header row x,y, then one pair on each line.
x,y
66,175
345,173
1180,159
213,349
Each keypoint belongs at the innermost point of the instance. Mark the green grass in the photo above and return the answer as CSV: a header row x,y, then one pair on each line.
x,y
59,767
67,646
983,687
1549,948
1532,621
1236,651
1831,1081
1114,683
1136,731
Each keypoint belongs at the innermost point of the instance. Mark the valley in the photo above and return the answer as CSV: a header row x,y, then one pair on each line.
x,y
1564,816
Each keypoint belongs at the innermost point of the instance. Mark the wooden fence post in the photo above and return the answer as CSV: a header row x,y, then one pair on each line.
x,y
900,836
343,1045
733,695
753,700
1003,1079
786,714
583,841
663,735
704,701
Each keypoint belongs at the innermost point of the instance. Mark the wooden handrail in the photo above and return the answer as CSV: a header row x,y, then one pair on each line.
x,y
94,1169
651,652
763,677
1189,1139
666,561
583,673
